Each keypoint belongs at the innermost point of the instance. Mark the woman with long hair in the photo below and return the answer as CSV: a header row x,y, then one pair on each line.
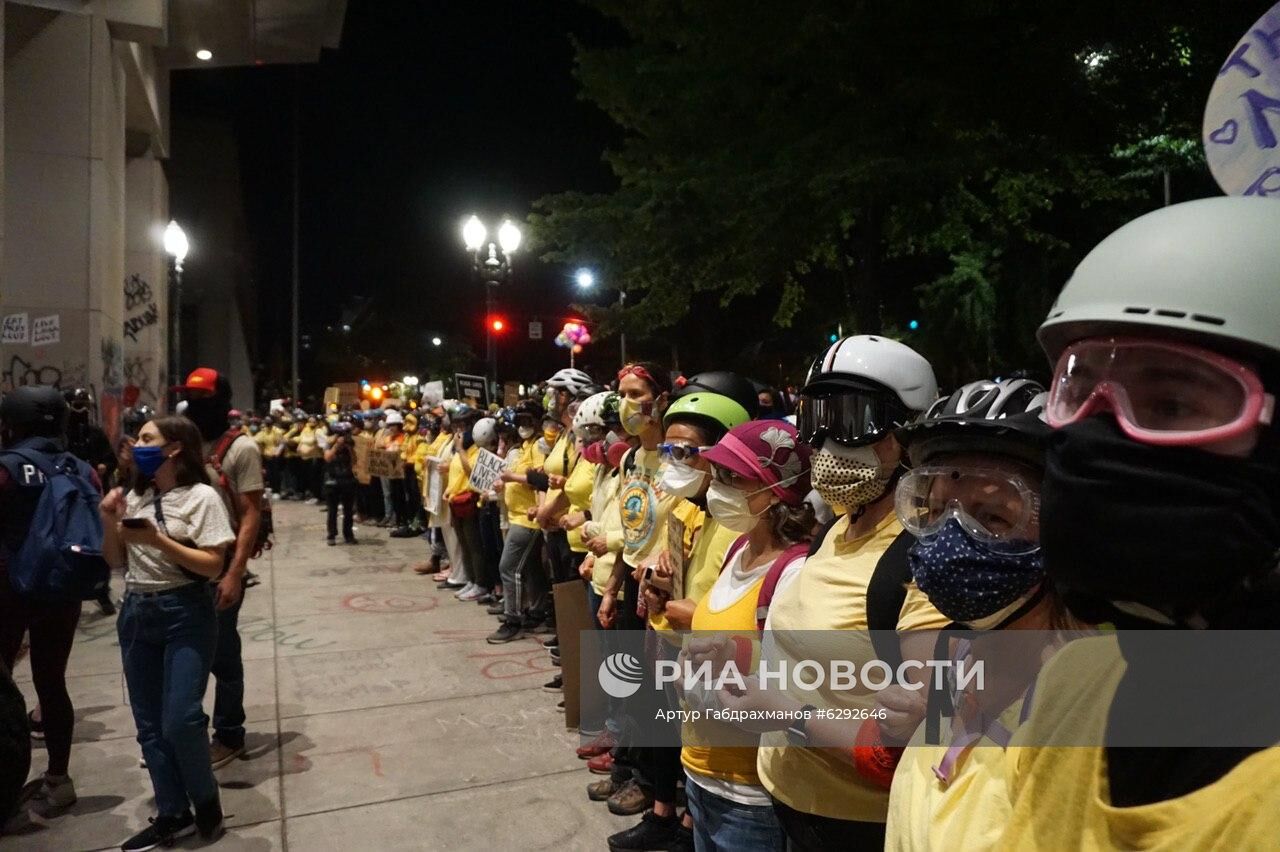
x,y
170,532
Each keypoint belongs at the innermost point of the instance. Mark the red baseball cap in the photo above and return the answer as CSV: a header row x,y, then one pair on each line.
x,y
201,379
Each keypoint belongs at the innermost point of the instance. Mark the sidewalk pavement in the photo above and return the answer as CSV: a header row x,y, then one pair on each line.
x,y
378,718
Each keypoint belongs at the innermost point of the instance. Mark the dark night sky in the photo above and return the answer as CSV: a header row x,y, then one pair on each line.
x,y
428,111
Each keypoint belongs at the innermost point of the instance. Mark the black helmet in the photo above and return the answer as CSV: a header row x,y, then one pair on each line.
x,y
135,418
34,411
723,382
532,408
79,399
1000,417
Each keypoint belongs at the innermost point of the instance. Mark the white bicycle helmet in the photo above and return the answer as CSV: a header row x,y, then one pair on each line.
x,y
574,381
861,389
394,418
484,433
1204,271
595,410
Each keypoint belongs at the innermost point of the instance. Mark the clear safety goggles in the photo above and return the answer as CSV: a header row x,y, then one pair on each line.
x,y
851,419
680,452
1169,394
590,434
996,507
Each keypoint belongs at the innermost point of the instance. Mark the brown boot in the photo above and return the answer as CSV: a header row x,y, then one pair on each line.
x,y
631,799
422,568
601,790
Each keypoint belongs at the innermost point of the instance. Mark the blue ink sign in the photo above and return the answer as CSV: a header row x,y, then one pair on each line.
x,y
1242,119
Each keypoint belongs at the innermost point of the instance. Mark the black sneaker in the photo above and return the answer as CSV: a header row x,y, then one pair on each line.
x,y
652,832
486,599
550,641
504,634
496,609
351,540
683,840
163,831
556,684
331,542
209,820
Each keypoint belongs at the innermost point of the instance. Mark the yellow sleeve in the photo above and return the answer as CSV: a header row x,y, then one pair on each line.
x,y
918,614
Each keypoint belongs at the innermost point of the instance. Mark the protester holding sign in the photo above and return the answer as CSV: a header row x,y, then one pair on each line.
x,y
464,503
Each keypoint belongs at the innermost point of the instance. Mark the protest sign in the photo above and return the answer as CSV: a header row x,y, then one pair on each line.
x,y
1241,132
486,471
386,464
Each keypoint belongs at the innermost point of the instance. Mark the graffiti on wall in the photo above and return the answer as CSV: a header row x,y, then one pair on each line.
x,y
112,363
139,306
19,371
144,381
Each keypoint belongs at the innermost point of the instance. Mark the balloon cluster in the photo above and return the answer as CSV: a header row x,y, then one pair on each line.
x,y
573,336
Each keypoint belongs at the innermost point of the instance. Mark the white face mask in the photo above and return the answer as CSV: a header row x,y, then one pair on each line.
x,y
525,432
681,479
729,507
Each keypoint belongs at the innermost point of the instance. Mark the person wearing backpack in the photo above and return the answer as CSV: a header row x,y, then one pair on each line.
x,y
233,463
33,424
170,533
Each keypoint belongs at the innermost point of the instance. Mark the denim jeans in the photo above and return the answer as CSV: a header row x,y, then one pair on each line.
x,y
519,557
228,675
167,643
723,824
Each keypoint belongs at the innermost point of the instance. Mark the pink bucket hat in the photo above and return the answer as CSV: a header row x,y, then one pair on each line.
x,y
770,451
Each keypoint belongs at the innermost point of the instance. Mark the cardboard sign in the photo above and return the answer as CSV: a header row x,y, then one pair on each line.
x,y
362,445
435,491
1241,132
386,464
45,331
675,549
15,329
486,471
432,394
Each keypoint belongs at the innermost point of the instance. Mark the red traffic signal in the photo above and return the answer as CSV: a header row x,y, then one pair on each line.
x,y
497,324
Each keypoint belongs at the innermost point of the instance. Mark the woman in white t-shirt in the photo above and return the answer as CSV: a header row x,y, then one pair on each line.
x,y
170,533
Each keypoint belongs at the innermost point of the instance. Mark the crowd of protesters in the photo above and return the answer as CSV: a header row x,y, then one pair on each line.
x,y
1138,489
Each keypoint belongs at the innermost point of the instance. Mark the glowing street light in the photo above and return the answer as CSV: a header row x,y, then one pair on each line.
x,y
204,55
435,341
176,246
175,243
509,236
585,279
474,233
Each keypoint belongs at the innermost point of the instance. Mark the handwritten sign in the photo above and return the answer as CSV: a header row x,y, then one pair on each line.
x,y
46,330
475,388
486,471
1241,131
386,464
15,329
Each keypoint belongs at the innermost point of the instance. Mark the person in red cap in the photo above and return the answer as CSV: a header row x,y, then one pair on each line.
x,y
235,467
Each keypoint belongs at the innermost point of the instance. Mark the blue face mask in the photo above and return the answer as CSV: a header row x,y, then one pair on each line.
x,y
148,460
968,580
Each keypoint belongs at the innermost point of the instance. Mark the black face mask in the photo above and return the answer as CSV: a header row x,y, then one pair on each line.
x,y
210,416
1173,528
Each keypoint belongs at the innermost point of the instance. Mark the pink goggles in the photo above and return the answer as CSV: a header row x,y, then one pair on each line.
x,y
1168,394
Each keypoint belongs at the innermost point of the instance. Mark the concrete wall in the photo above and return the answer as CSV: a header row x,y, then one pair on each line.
x,y
145,287
64,205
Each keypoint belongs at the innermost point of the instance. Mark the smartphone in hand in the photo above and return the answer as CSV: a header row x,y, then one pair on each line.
x,y
135,523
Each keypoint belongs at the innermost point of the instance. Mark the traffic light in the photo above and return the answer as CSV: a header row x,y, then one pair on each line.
x,y
497,324
832,337
914,325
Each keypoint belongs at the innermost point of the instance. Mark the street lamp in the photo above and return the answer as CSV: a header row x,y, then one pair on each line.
x,y
435,341
586,279
176,246
492,271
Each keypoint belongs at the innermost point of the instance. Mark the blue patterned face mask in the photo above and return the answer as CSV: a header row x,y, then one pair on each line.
x,y
966,579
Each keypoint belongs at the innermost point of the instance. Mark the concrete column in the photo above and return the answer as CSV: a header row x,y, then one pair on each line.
x,y
146,302
64,206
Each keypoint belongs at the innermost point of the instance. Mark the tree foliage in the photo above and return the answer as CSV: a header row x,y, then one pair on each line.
x,y
876,162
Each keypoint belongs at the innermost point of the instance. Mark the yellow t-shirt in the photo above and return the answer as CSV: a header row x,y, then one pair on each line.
x,y
307,447
519,497
435,450
969,812
830,593
459,479
578,488
706,543
268,438
607,519
1059,794
645,508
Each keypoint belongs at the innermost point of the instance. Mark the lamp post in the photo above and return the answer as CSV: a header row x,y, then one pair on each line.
x,y
586,279
492,271
176,246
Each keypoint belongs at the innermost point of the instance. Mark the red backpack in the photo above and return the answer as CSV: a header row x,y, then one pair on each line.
x,y
266,527
773,575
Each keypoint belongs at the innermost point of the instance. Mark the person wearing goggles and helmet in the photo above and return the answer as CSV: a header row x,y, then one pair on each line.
x,y
521,559
1160,509
857,394
971,500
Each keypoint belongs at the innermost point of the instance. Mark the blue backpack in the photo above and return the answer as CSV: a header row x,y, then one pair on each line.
x,y
60,560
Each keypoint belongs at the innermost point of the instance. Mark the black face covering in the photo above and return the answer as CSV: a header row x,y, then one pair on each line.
x,y
210,416
1173,528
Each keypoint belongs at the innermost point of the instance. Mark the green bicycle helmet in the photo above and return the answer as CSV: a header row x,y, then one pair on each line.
x,y
713,412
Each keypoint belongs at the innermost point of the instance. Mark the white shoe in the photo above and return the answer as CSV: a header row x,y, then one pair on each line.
x,y
462,593
45,798
472,593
